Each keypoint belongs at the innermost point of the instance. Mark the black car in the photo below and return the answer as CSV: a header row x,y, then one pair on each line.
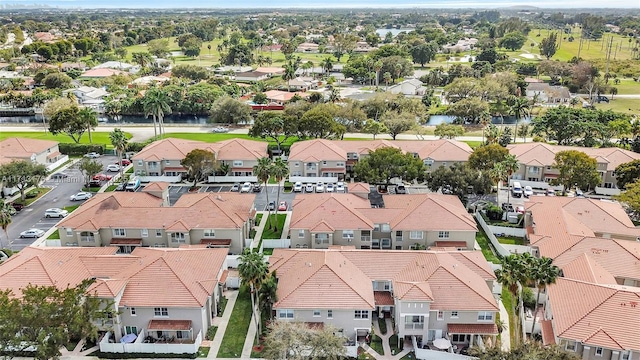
x,y
508,207
400,189
95,183
59,175
256,188
271,206
601,98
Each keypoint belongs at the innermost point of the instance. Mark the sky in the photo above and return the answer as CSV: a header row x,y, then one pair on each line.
x,y
329,3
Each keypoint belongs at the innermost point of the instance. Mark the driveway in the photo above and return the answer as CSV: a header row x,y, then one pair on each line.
x,y
33,215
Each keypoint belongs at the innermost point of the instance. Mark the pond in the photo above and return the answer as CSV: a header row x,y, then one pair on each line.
x,y
383,32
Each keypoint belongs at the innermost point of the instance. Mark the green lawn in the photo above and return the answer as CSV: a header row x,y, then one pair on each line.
x,y
236,332
98,137
203,351
510,240
28,201
54,235
507,300
487,251
628,106
376,344
71,208
269,233
626,86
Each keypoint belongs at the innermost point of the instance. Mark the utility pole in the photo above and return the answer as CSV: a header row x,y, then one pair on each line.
x,y
609,56
580,47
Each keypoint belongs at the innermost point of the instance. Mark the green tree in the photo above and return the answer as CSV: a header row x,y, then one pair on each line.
x,y
273,127
253,271
141,58
49,317
298,341
549,45
398,123
468,111
57,81
156,103
262,171
627,173
279,170
119,141
227,110
526,351
387,163
575,168
423,53
485,157
448,131
511,275
70,122
89,168
543,273
343,44
268,296
524,131
5,220
193,72
90,118
22,174
319,122
631,197
489,55
199,164
260,98
513,40
158,47
374,127
457,179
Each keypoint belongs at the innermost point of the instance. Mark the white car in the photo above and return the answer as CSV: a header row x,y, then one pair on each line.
x,y
340,187
297,187
551,192
308,188
113,167
246,187
320,187
329,187
31,233
528,191
83,195
55,213
219,129
92,155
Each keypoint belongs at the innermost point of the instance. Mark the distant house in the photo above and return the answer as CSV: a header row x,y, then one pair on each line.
x,y
66,66
149,80
44,152
408,87
251,76
101,73
118,65
303,83
45,37
282,97
363,46
89,96
307,47
547,94
271,70
232,69
465,44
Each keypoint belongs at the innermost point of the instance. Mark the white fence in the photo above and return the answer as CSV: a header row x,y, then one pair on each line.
x,y
139,346
536,184
313,179
232,179
507,231
61,161
233,261
163,178
606,191
276,243
492,238
426,354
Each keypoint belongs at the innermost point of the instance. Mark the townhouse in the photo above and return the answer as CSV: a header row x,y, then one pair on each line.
x,y
594,308
404,222
536,164
171,295
44,152
429,294
160,160
331,161
145,219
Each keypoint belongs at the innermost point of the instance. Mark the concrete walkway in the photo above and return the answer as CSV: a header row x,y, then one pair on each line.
x,y
505,337
222,322
385,343
251,336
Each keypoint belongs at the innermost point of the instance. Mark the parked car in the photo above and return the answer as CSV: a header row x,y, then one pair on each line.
x,y
133,184
113,167
330,187
516,189
297,187
309,187
528,191
602,98
520,209
283,206
246,187
220,129
256,188
271,206
121,187
235,187
551,192
95,183
579,193
60,175
124,162
508,207
92,155
17,206
401,189
340,187
102,177
320,187
55,213
31,233
82,195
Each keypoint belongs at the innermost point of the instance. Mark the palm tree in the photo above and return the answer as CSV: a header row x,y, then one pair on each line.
x,y
518,107
511,274
268,295
253,271
263,172
279,170
510,165
156,103
119,141
377,66
5,219
327,64
542,274
88,117
289,73
387,79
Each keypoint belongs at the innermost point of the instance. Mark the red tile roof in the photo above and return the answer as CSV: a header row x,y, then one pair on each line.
x,y
177,149
548,337
101,73
169,325
542,154
383,298
480,329
23,148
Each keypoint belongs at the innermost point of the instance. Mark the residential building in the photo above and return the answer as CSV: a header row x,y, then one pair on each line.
x,y
119,65
308,47
89,96
271,70
145,219
101,73
331,161
429,294
408,87
302,83
282,97
536,164
251,76
160,160
44,152
546,94
169,294
416,221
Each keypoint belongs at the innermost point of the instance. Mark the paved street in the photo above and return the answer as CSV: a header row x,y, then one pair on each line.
x,y
33,215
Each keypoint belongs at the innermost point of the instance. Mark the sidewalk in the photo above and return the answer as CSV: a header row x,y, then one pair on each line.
x,y
505,337
248,342
222,322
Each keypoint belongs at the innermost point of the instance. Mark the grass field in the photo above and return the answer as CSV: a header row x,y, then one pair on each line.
x,y
236,333
628,106
98,137
208,137
626,86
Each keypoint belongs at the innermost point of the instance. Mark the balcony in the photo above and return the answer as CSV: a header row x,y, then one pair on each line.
x,y
366,238
414,326
143,343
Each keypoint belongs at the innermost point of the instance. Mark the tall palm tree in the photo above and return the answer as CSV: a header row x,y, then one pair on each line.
x,y
510,165
511,274
518,107
327,64
268,295
88,117
263,172
279,170
377,66
253,271
156,103
387,79
543,273
119,141
5,219
289,73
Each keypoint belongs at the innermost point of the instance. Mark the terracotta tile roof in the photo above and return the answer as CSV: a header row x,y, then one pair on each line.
x,y
484,329
451,244
177,149
169,325
605,316
438,150
156,186
100,73
147,277
415,275
316,150
53,154
223,278
383,298
329,212
23,148
548,337
428,211
141,210
358,188
542,154
117,241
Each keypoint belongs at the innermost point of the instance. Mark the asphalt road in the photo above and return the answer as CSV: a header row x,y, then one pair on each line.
x,y
33,215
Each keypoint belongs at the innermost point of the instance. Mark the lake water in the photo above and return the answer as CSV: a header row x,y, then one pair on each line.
x,y
113,121
448,119
383,32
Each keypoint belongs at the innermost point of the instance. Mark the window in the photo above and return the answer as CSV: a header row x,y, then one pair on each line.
x,y
140,162
167,162
209,233
285,314
130,330
534,169
485,316
324,162
145,232
625,355
599,351
428,162
158,233
237,163
440,315
69,232
460,338
361,314
160,311
443,234
329,314
296,164
340,164
415,235
570,346
178,237
347,234
132,311
316,313
119,232
454,314
300,233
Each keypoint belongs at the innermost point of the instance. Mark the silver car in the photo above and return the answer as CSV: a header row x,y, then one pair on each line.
x,y
55,213
31,233
83,195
